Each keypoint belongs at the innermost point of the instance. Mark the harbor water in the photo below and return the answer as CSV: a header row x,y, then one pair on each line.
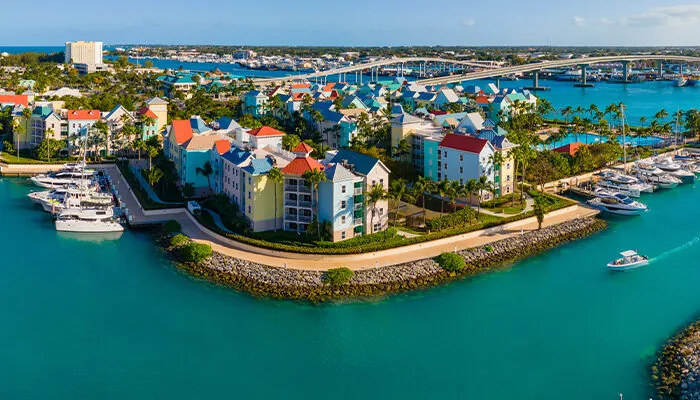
x,y
90,318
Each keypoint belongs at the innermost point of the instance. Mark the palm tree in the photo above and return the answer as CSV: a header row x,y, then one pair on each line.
x,y
538,209
421,186
207,171
374,195
20,128
397,191
455,191
442,189
471,187
642,119
483,184
48,136
314,177
565,112
154,175
275,175
496,159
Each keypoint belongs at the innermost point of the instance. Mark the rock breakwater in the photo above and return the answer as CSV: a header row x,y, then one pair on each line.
x,y
263,280
676,373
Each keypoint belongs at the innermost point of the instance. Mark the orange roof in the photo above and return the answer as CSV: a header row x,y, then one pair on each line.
x,y
83,115
22,99
223,146
183,130
482,100
265,131
570,148
298,95
301,86
303,148
300,165
147,112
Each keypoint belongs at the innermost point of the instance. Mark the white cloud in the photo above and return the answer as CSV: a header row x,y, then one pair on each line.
x,y
579,21
607,21
682,15
468,22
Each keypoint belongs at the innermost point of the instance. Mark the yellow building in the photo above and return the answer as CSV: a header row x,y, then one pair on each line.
x,y
403,126
259,197
159,107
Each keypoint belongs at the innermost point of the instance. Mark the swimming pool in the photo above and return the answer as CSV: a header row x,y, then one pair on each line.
x,y
589,138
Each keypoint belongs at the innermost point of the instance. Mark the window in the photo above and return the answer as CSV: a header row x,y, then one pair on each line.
x,y
381,210
377,227
248,209
248,195
249,180
342,219
374,182
342,235
342,190
445,165
461,181
381,182
461,170
430,163
343,204
461,157
507,178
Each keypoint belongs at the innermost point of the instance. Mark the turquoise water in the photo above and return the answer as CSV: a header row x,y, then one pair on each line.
x,y
588,138
115,320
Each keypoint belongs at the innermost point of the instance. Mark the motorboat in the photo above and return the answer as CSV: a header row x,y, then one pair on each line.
x,y
616,203
625,184
72,198
680,82
88,220
629,260
63,179
675,169
655,176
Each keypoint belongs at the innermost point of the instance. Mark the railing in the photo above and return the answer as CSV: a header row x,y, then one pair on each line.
x,y
289,202
358,206
357,221
288,217
305,204
303,188
358,191
290,188
304,218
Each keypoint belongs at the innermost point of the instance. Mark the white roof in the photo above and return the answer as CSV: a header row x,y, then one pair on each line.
x,y
628,253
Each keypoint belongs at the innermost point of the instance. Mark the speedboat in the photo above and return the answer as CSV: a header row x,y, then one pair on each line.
x,y
624,184
88,220
675,169
64,179
655,176
630,260
616,203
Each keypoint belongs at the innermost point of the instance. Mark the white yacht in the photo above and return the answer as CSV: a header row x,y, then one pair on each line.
x,y
616,203
675,169
88,220
75,198
63,179
655,176
630,260
624,184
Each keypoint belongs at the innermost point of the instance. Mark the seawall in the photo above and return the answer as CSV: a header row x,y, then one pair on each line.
x,y
276,282
676,373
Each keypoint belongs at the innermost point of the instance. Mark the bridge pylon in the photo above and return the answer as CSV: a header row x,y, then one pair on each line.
x,y
584,77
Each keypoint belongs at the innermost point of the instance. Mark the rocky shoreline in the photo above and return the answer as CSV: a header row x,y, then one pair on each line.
x,y
676,373
266,281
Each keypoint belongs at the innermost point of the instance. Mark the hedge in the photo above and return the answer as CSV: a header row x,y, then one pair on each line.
x,y
196,252
179,240
338,276
450,261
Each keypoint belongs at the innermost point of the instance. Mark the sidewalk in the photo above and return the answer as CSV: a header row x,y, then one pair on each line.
x,y
220,244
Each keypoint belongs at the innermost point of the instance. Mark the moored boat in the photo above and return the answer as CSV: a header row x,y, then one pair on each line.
x,y
616,203
88,220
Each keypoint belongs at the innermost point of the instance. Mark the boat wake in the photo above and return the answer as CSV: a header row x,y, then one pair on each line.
x,y
675,250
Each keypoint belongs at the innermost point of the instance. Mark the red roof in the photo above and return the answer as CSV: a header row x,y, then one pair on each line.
x,y
438,112
303,148
463,143
265,131
222,146
147,112
300,165
482,100
22,99
83,115
183,130
570,148
298,95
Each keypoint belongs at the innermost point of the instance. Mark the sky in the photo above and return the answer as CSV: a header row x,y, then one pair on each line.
x,y
354,23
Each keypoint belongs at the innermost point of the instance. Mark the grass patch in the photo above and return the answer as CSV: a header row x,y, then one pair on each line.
x,y
25,157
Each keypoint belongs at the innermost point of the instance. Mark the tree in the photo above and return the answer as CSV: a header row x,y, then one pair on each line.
x,y
374,195
483,184
314,177
290,141
398,192
401,149
139,145
188,190
496,159
442,189
538,209
421,186
275,175
152,153
471,187
154,175
207,171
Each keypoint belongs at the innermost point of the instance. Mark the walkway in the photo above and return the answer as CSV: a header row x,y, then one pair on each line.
x,y
383,258
149,190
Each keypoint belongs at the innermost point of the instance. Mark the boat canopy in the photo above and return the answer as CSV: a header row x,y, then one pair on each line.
x,y
628,253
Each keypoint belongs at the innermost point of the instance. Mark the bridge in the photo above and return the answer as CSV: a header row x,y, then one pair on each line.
x,y
486,71
374,68
583,62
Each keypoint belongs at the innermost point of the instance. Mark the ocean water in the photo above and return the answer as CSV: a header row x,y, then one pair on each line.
x,y
114,320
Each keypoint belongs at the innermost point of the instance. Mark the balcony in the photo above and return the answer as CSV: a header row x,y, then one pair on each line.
x,y
358,206
305,218
305,204
357,222
290,217
289,202
358,191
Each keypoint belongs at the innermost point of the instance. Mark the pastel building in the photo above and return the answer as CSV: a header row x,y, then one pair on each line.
x,y
462,157
254,103
263,198
298,201
80,121
338,204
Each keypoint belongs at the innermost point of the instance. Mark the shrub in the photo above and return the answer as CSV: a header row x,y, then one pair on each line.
x,y
338,276
196,252
488,248
451,261
458,218
172,226
179,240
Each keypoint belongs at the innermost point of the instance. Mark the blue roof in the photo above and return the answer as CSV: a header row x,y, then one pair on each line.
x,y
227,123
199,125
236,156
259,166
362,163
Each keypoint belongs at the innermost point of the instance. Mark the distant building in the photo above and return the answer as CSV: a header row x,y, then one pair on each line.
x,y
89,53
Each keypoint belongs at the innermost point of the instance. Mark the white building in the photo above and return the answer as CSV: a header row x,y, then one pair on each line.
x,y
89,53
461,158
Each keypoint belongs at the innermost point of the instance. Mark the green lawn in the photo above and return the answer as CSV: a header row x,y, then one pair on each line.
x,y
26,158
